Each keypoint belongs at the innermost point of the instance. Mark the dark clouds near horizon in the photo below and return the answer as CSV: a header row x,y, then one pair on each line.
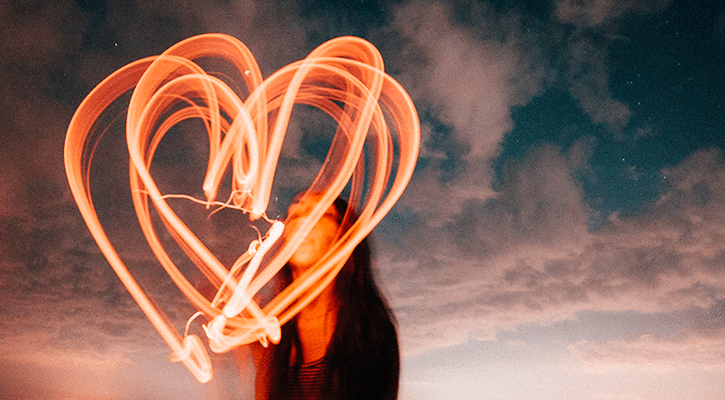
x,y
571,166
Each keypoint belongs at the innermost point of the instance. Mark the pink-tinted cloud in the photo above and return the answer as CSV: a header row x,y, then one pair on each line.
x,y
587,75
688,350
589,13
587,54
471,76
496,263
528,256
474,81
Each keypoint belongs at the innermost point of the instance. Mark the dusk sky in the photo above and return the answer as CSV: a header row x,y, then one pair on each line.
x,y
563,235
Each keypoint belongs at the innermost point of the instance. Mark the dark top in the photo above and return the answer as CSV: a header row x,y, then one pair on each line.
x,y
307,381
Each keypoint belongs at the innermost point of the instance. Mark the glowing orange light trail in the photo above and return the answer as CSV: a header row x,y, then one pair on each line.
x,y
343,77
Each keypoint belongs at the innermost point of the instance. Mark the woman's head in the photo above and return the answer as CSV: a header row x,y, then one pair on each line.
x,y
320,239
326,231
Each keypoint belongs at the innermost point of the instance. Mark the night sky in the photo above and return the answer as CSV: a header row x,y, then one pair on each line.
x,y
563,236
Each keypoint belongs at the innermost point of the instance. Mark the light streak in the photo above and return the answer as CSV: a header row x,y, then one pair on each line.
x,y
343,77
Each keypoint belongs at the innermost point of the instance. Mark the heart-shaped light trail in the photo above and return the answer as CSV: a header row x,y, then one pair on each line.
x,y
343,77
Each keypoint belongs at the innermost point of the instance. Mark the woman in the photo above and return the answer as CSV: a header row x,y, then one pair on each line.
x,y
344,344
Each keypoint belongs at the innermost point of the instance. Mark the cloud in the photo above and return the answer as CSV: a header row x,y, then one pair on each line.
x,y
466,66
588,13
495,262
464,77
586,58
527,256
587,68
472,78
587,76
695,350
601,327
684,226
482,260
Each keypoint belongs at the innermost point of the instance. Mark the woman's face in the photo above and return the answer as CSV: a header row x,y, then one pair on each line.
x,y
320,238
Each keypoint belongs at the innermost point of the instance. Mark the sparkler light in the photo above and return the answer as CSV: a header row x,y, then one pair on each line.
x,y
343,77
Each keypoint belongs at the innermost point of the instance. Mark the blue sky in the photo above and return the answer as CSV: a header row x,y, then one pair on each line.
x,y
561,238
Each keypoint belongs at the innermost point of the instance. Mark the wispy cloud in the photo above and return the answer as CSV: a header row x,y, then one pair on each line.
x,y
691,350
590,13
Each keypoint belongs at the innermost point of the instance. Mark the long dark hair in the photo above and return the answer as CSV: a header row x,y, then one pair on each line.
x,y
362,358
